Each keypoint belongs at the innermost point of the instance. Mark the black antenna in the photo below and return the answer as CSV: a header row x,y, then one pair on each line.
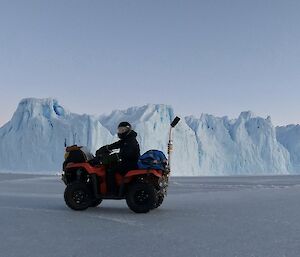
x,y
175,121
170,144
65,142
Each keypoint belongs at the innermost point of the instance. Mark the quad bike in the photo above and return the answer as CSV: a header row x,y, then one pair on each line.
x,y
86,185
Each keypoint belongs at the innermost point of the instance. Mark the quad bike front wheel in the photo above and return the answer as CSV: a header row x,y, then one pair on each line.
x,y
77,196
141,197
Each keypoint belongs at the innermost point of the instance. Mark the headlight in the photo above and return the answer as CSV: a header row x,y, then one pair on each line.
x,y
66,155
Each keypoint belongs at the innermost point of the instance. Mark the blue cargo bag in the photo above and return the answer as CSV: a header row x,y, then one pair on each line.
x,y
153,159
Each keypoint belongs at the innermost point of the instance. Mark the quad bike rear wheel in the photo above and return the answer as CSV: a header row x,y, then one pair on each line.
x,y
160,199
77,196
141,197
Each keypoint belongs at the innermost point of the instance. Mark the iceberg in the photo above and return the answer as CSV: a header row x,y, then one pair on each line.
x,y
33,140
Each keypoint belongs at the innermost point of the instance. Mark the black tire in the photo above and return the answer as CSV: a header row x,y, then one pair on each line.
x,y
141,197
95,203
77,196
160,199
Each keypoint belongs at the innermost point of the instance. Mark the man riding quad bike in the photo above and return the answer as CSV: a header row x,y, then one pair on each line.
x,y
89,180
126,160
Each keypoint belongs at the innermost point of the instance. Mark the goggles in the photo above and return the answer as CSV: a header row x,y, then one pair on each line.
x,y
122,130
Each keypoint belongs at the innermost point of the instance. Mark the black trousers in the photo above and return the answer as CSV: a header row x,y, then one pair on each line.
x,y
110,177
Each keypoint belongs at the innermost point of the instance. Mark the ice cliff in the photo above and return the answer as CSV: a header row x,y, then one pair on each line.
x,y
33,140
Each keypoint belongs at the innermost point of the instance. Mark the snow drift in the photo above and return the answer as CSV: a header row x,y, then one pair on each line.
x,y
34,139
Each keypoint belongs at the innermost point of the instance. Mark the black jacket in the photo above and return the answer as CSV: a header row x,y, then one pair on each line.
x,y
129,150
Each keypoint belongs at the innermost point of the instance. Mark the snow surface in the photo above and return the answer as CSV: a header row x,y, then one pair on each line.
x,y
33,141
202,216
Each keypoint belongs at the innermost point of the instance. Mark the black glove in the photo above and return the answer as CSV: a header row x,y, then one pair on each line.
x,y
102,151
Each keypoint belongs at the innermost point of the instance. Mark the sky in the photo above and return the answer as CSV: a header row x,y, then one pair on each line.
x,y
214,56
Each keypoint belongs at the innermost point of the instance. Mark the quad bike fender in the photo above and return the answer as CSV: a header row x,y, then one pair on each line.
x,y
132,173
99,170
